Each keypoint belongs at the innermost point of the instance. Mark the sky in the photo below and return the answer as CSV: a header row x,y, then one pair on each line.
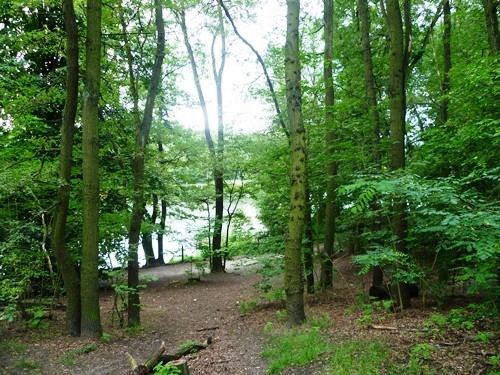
x,y
243,111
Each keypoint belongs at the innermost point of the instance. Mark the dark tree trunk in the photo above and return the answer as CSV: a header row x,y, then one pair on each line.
x,y
163,218
143,128
216,262
373,113
326,279
309,239
64,260
91,319
371,91
445,84
398,64
491,15
294,268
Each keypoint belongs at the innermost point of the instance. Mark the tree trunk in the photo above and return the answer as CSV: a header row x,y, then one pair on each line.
x,y
64,261
398,64
138,164
371,91
91,320
163,218
491,16
216,263
373,114
326,280
445,85
294,282
217,258
309,238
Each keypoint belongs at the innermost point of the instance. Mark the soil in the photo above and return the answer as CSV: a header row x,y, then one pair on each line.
x,y
176,310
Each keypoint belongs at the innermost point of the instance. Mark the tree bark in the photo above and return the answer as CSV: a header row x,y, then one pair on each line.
x,y
91,320
491,16
143,128
64,260
371,91
217,257
309,238
216,263
373,113
445,84
398,64
326,279
294,269
163,218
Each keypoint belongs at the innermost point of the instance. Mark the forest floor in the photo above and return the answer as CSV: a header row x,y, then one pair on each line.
x,y
175,310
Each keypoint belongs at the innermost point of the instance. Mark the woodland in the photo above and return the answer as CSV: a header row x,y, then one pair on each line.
x,y
357,231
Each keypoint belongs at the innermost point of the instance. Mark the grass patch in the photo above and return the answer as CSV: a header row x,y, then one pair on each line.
x,y
247,307
358,358
293,348
12,346
69,358
30,366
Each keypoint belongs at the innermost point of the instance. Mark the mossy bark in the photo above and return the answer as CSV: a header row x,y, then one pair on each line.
x,y
491,15
398,64
91,320
64,260
294,269
143,127
445,84
326,279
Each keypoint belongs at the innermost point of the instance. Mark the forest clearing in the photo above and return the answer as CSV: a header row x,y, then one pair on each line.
x,y
249,187
230,310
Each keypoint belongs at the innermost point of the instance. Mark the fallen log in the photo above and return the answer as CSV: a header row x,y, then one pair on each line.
x,y
175,359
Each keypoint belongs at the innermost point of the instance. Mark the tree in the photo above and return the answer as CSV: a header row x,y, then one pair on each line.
x,y
216,152
91,320
398,68
65,262
294,268
445,84
142,130
491,15
331,167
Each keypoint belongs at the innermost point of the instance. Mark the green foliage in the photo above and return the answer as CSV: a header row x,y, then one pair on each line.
x,y
247,307
454,228
27,365
293,348
358,358
70,357
166,369
38,318
106,337
417,363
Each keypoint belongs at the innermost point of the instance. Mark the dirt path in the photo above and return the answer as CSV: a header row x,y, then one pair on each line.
x,y
173,311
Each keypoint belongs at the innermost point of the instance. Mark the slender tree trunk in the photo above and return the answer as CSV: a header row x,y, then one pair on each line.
x,y
309,238
326,280
491,15
373,113
147,245
445,85
138,165
371,91
294,269
163,218
398,64
217,261
64,261
91,319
